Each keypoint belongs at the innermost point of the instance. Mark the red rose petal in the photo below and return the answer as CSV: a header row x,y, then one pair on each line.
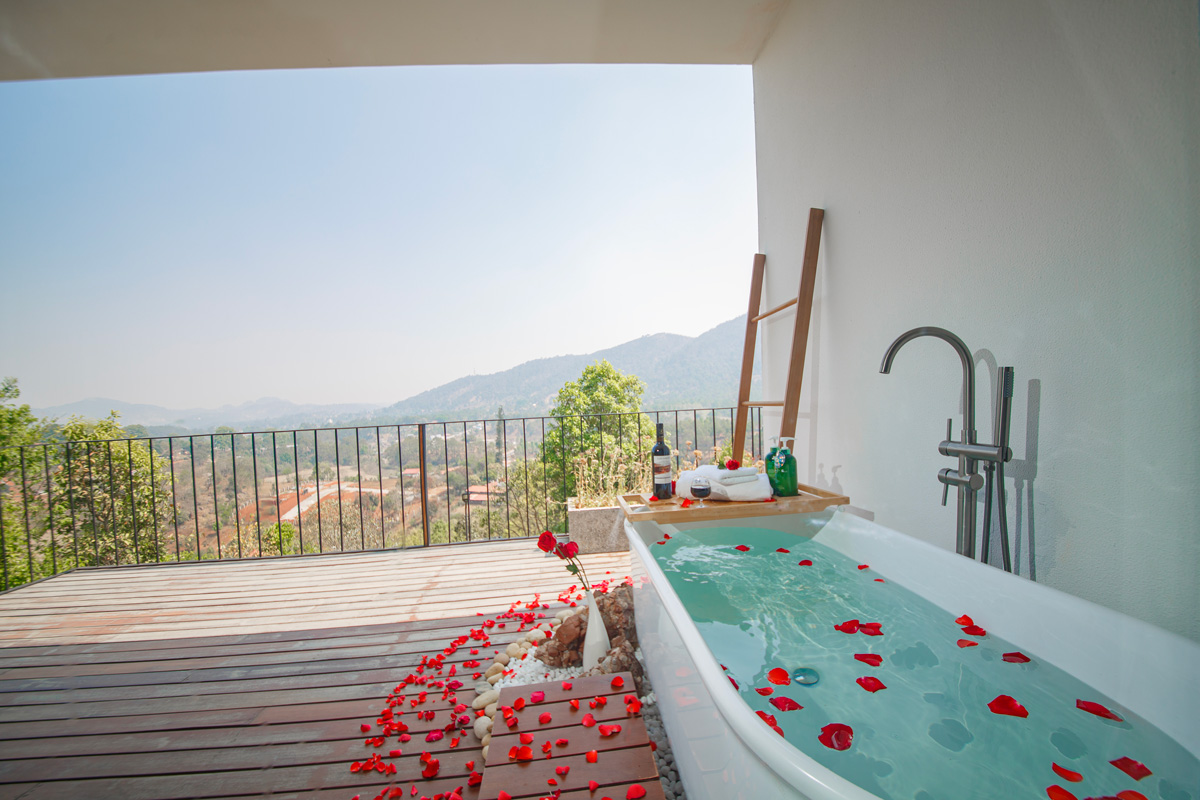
x,y
524,754
587,721
365,728
836,736
544,718
779,677
1130,794
1066,774
870,658
785,703
593,786
742,547
686,503
1097,709
562,770
805,563
974,630
609,730
526,738
782,550
1016,658
431,768
566,686
635,792
591,756
767,718
871,684
574,703
1003,704
519,704
1056,792
849,626
475,778
561,742
863,566
870,628
1134,769
967,643
618,682
964,620
537,697
502,796
765,691
735,684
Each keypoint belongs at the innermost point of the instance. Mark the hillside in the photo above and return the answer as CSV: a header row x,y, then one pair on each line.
x,y
679,372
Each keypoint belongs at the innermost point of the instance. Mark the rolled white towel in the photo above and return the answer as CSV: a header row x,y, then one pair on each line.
x,y
757,488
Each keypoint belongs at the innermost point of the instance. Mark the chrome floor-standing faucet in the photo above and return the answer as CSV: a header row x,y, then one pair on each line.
x,y
968,450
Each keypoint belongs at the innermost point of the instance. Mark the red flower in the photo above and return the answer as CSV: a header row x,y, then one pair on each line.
x,y
849,626
570,549
1016,658
785,703
974,630
1133,769
1003,704
547,542
805,563
733,464
765,691
742,547
1097,709
836,736
779,677
872,685
869,658
1066,774
967,643
1056,792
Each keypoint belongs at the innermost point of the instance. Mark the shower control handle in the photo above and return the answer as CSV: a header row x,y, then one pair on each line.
x,y
952,477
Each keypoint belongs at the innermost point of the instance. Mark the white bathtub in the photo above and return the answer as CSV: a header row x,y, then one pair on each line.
x,y
723,751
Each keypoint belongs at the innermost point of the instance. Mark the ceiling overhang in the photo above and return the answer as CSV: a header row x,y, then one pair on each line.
x,y
80,38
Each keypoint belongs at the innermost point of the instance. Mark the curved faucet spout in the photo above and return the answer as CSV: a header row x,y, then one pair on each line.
x,y
968,365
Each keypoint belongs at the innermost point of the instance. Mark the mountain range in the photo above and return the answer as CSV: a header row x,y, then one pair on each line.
x,y
678,371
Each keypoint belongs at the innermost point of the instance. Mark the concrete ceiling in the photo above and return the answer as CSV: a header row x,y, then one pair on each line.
x,y
77,38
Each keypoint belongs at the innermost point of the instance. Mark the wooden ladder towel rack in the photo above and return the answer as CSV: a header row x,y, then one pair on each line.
x,y
803,303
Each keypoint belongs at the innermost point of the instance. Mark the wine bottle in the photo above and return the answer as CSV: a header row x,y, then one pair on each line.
x,y
660,457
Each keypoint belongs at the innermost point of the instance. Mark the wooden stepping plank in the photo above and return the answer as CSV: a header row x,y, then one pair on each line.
x,y
623,757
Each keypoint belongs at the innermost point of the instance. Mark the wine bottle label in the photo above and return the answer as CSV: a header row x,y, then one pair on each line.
x,y
662,469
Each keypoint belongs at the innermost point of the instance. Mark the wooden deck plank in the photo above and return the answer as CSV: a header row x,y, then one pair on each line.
x,y
244,679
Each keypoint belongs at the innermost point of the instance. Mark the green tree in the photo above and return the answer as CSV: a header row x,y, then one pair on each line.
x,y
18,426
597,415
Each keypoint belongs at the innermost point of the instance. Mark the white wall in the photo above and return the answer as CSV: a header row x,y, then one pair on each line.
x,y
1024,173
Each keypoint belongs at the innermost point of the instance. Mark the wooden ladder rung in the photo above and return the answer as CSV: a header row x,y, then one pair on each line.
x,y
761,403
776,309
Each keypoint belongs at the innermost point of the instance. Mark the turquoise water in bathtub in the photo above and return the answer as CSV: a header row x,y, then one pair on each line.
x,y
929,735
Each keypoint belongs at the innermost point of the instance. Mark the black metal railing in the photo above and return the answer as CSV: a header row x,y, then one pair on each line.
x,y
276,493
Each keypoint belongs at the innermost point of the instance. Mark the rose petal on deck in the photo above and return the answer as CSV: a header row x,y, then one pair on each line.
x,y
526,738
544,718
1097,709
591,756
1134,769
618,682
1003,704
609,730
635,792
836,736
871,658
587,721
537,697
1066,774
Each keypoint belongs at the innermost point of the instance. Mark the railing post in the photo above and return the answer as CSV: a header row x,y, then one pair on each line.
x,y
424,491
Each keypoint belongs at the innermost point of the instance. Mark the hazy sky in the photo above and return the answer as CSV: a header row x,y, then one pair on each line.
x,y
362,234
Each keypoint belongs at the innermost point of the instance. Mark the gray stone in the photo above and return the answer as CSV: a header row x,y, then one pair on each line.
x,y
596,530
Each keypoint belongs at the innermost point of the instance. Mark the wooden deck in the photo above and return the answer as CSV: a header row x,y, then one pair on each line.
x,y
249,679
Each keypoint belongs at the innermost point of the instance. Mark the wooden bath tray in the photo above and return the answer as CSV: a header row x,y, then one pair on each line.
x,y
638,506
